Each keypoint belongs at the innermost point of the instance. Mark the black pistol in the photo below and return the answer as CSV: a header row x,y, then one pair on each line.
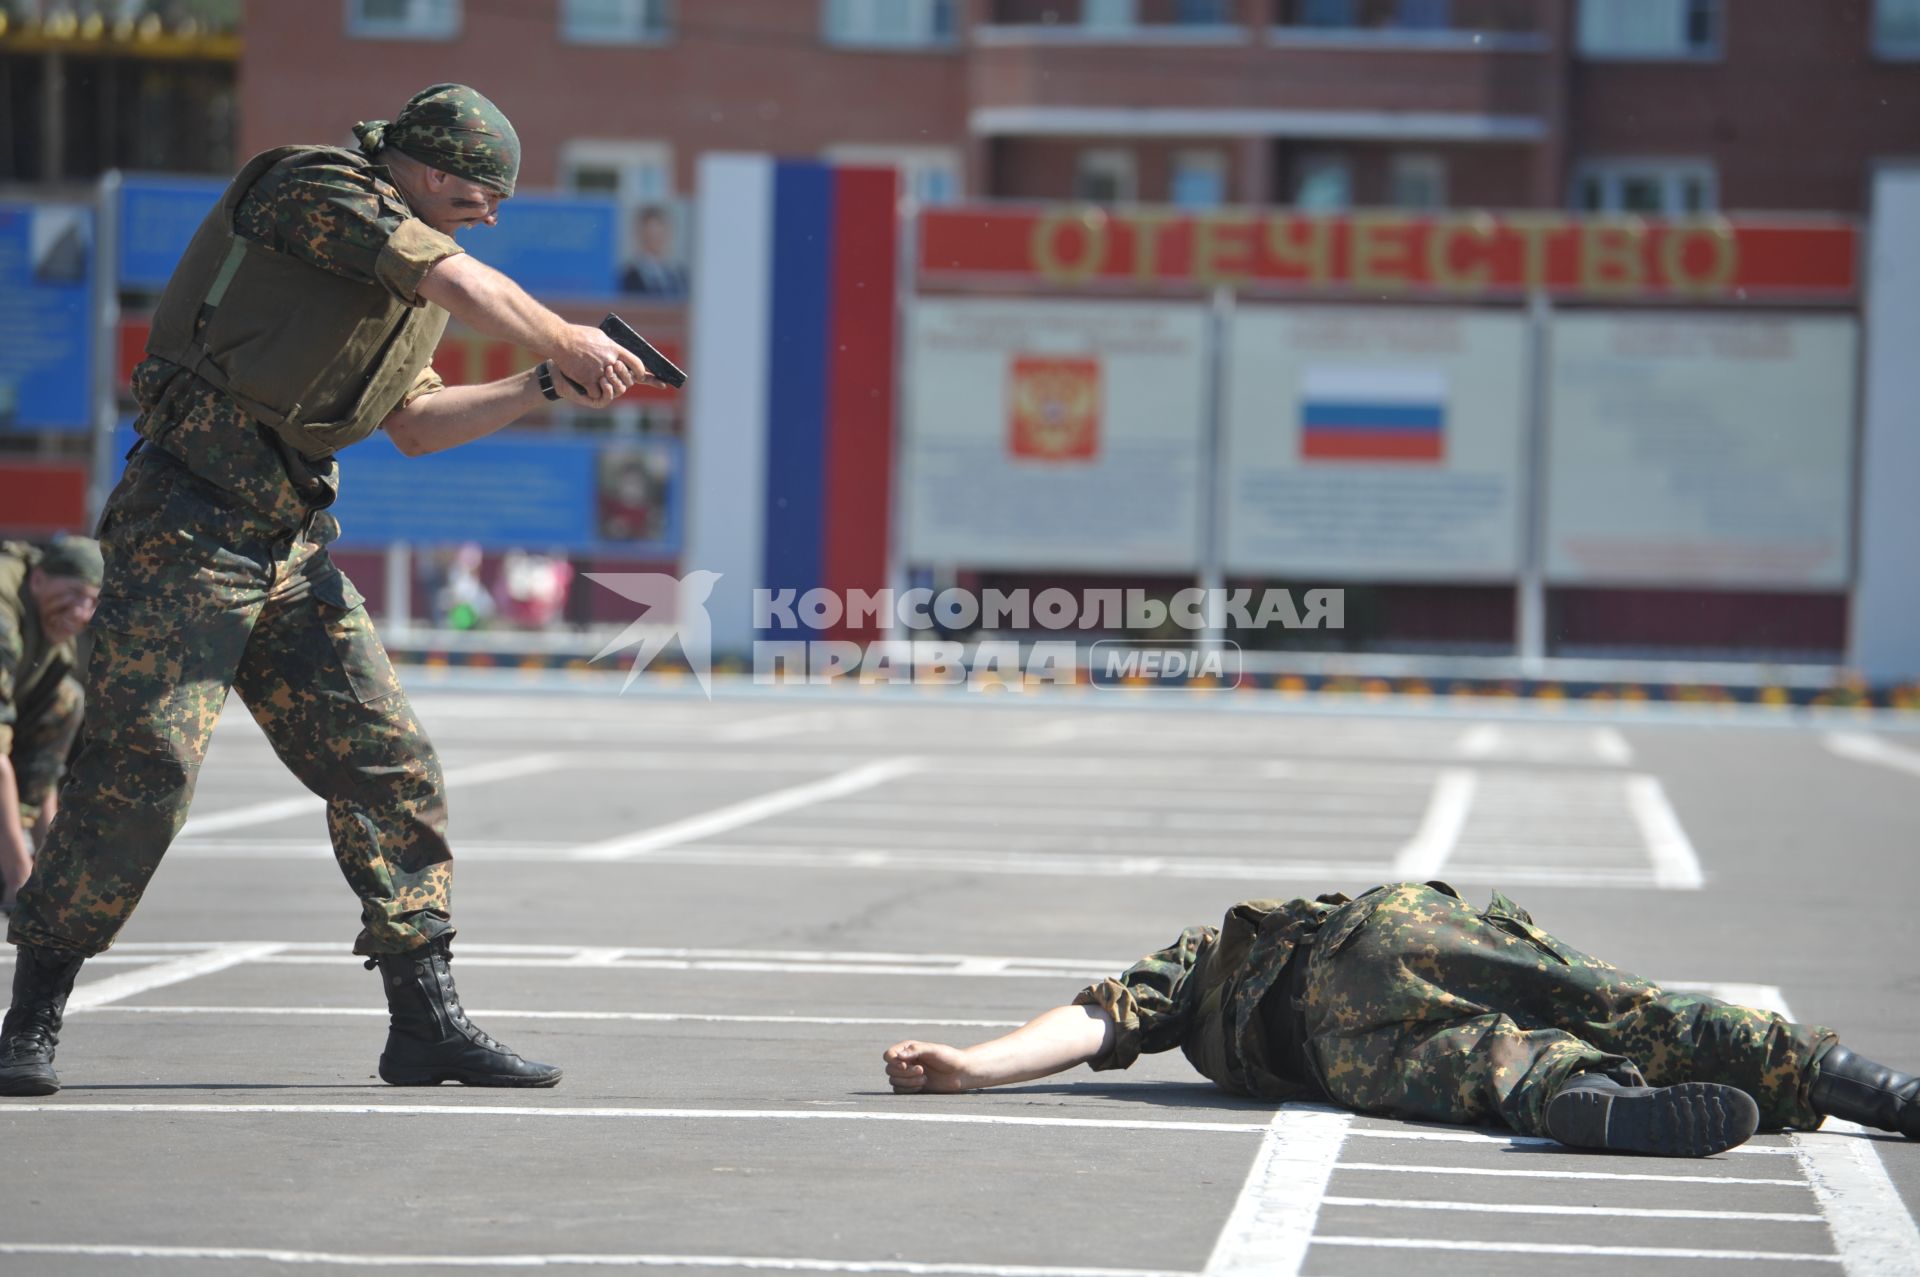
x,y
657,364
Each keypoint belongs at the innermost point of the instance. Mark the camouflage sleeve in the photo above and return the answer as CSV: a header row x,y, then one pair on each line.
x,y
347,221
1152,1002
12,651
427,383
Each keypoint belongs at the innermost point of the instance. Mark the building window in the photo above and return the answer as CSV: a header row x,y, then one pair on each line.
x,y
1106,176
1202,13
1327,13
634,173
1896,28
1199,179
403,19
1109,15
615,21
1650,28
890,23
929,174
1323,182
1399,15
1417,182
1671,188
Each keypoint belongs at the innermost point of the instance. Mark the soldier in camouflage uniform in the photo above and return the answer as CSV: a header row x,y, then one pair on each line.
x,y
1409,1003
301,319
46,599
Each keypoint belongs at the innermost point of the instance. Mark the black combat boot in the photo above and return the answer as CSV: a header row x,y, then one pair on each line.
x,y
42,979
431,1040
1856,1089
1693,1119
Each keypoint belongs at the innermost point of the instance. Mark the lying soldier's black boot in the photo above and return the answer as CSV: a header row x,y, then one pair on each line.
x,y
430,1040
1693,1119
1856,1089
42,979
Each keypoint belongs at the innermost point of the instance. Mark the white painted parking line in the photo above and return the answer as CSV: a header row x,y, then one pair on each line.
x,y
1431,846
1602,1212
649,958
455,1109
273,809
737,965
851,855
1072,816
1272,1222
1042,864
1610,746
99,993
1675,866
1395,1168
751,1263
1558,1248
1874,1233
1871,1227
1862,748
1510,1139
637,1017
749,812
1482,740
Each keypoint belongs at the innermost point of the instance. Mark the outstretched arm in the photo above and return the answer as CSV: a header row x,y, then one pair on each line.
x,y
1051,1042
452,415
492,304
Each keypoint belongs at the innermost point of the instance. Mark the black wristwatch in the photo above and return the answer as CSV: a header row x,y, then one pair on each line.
x,y
545,374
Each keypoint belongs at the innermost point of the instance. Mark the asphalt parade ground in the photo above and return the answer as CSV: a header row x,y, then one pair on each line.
x,y
716,915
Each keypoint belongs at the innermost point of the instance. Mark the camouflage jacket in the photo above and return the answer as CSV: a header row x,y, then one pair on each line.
x,y
29,663
1203,994
333,216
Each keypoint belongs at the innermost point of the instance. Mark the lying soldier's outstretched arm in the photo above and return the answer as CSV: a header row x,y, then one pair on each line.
x,y
1049,1043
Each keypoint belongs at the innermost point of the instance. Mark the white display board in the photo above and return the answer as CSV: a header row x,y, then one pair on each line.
x,y
1368,443
1700,449
1043,434
1885,626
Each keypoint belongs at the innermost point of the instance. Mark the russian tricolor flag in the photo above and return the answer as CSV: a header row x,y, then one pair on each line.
x,y
1373,414
790,439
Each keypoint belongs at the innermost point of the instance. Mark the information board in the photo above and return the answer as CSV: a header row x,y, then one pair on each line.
x,y
610,496
1700,449
158,216
1374,443
46,332
1047,434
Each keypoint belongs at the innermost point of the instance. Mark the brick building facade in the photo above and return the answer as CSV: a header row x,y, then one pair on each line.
x,y
1659,105
1648,106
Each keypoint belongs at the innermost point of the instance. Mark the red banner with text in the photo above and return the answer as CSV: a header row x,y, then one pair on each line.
x,y
1455,255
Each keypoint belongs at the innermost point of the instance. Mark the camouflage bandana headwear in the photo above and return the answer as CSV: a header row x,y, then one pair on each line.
x,y
77,557
454,129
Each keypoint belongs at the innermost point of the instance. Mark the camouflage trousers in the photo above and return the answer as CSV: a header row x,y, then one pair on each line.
x,y
201,597
42,739
1419,1007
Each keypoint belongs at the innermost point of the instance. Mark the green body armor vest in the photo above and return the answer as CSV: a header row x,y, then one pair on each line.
x,y
315,357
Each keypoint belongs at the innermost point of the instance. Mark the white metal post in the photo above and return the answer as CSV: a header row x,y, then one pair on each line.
x,y
1530,639
106,341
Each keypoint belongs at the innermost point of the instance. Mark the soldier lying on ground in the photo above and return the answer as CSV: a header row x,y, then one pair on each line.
x,y
1408,1003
